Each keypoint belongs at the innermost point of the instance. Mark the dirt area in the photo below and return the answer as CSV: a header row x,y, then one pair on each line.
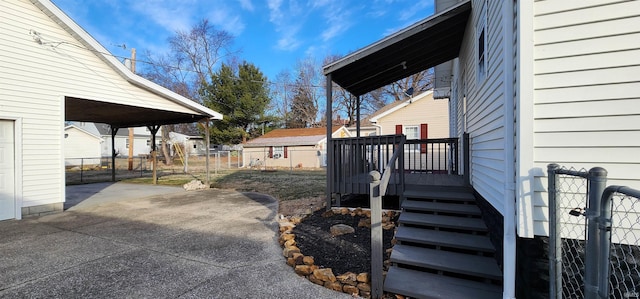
x,y
344,253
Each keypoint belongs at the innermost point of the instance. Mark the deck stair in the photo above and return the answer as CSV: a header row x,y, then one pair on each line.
x,y
443,249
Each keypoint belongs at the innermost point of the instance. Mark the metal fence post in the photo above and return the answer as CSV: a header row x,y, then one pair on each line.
x,y
597,184
555,240
376,234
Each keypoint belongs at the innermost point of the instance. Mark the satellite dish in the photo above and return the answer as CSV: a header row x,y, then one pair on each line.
x,y
409,92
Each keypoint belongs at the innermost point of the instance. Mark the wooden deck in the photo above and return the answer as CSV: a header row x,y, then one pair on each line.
x,y
417,181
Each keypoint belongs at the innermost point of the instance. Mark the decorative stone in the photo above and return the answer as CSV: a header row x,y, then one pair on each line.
x,y
388,226
364,222
286,226
364,287
287,237
298,258
363,277
385,219
399,296
291,262
358,211
295,219
347,278
289,243
336,286
303,270
327,214
367,213
349,289
194,185
344,211
325,274
289,251
366,295
312,277
341,229
308,260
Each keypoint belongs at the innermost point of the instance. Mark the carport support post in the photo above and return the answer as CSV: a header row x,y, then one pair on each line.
x,y
114,131
207,140
154,160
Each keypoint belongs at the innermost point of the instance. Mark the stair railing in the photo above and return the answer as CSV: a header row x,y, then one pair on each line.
x,y
377,189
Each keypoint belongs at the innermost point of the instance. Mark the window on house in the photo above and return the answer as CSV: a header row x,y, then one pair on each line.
x,y
481,42
127,143
148,142
412,132
195,146
278,152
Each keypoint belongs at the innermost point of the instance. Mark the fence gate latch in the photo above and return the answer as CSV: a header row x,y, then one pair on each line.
x,y
577,212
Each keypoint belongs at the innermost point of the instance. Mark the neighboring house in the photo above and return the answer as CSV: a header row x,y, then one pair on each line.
x,y
418,117
532,83
194,144
141,139
304,147
54,71
81,148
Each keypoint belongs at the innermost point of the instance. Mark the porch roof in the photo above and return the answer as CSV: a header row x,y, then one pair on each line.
x,y
427,43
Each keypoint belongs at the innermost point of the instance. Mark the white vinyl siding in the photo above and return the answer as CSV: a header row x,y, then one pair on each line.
x,y
484,104
586,100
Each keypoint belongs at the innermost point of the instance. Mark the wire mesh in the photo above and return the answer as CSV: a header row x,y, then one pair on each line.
x,y
572,199
624,263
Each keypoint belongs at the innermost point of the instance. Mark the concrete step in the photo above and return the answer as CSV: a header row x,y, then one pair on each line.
x,y
467,264
417,284
429,206
445,239
440,195
460,223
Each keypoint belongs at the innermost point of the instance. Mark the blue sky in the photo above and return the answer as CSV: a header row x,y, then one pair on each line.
x,y
272,34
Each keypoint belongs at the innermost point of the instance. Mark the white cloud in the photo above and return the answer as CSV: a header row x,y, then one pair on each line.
x,y
246,5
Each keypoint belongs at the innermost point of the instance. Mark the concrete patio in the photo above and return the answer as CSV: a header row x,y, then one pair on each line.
x,y
139,241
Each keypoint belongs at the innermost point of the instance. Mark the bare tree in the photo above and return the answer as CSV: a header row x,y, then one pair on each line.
x,y
420,82
194,58
281,95
307,92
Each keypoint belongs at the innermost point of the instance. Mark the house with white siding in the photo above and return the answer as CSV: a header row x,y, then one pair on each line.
x,y
141,139
530,83
53,71
81,147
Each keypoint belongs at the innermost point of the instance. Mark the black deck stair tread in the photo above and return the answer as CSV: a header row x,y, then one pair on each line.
x,y
467,209
443,195
417,284
463,223
443,238
474,265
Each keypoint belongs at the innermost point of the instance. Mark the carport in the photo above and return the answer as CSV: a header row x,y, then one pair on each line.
x,y
119,116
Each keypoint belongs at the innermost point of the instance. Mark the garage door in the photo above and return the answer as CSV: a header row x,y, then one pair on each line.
x,y
7,180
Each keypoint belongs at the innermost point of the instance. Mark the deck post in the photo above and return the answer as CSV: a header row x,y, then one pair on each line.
x,y
330,158
465,158
114,131
375,203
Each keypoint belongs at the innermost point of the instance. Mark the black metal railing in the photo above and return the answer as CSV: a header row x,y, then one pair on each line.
x,y
439,156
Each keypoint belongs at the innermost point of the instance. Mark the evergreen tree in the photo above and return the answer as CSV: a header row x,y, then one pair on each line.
x,y
242,96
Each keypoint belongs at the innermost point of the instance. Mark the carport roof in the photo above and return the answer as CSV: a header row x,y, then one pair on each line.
x,y
126,113
427,43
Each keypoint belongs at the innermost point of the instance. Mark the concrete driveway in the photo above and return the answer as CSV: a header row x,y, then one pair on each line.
x,y
162,243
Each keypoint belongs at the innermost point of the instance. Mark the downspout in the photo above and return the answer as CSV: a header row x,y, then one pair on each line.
x,y
509,237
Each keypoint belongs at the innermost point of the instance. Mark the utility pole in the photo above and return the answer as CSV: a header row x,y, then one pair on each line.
x,y
133,69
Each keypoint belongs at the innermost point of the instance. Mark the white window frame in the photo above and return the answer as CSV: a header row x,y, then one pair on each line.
x,y
412,147
481,39
278,152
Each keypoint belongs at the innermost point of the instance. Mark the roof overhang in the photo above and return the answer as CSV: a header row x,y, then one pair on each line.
x,y
124,116
423,45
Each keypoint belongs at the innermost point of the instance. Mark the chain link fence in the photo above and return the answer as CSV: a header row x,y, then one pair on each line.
x,y
265,159
594,233
567,232
99,169
624,281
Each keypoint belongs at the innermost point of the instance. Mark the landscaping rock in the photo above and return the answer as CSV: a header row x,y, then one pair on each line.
x,y
336,286
303,270
347,278
308,260
194,185
289,243
341,229
363,277
327,214
289,251
315,279
324,275
364,222
297,257
364,287
349,289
